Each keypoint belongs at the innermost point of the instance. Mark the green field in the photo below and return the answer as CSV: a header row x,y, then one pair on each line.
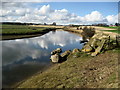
x,y
20,29
115,27
115,31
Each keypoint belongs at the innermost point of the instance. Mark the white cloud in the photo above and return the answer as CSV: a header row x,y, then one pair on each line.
x,y
44,10
94,16
47,15
112,19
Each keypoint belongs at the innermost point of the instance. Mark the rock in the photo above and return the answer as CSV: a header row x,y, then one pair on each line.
x,y
58,50
75,50
65,54
87,48
99,48
55,58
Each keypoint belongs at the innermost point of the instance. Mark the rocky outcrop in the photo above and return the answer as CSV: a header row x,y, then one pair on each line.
x,y
98,43
58,50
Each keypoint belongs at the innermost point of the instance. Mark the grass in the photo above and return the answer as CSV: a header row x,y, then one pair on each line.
x,y
115,31
9,32
115,27
20,29
78,72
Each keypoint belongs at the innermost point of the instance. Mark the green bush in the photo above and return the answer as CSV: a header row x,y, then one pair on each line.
x,y
88,32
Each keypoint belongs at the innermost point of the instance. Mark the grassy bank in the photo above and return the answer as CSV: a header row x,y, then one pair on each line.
x,y
81,72
22,31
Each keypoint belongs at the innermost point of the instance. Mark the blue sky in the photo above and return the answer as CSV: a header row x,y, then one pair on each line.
x,y
61,12
83,8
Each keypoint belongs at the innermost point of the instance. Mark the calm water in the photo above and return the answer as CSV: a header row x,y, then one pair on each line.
x,y
22,58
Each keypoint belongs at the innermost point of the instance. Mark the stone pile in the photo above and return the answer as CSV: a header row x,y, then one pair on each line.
x,y
56,57
98,43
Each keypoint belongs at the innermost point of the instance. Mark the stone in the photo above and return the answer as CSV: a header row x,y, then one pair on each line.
x,y
55,58
65,54
99,48
75,50
58,50
87,48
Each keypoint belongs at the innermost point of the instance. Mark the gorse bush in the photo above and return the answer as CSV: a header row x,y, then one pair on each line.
x,y
88,32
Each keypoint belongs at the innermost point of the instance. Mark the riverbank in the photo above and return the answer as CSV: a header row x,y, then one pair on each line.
x,y
80,72
24,31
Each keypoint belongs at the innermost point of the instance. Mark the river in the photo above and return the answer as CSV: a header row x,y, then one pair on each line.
x,y
21,58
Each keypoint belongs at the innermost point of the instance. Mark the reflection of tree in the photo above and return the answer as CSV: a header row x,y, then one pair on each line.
x,y
84,39
53,31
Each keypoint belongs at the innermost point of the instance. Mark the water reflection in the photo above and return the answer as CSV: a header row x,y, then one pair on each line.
x,y
32,54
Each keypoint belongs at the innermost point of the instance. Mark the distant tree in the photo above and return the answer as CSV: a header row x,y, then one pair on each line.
x,y
117,24
45,24
54,23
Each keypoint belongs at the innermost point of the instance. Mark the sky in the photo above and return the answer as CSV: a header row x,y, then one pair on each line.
x,y
60,12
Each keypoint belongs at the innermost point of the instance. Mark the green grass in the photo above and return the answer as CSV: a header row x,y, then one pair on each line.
x,y
115,27
115,31
20,29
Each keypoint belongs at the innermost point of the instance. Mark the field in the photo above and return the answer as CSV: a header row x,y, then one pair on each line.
x,y
20,29
8,32
115,27
115,31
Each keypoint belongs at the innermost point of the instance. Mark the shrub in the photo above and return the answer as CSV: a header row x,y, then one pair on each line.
x,y
88,32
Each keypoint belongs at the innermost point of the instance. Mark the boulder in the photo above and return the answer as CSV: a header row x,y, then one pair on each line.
x,y
99,48
58,50
87,48
75,50
55,58
66,53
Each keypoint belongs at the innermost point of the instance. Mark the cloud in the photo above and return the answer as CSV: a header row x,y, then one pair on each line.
x,y
94,17
46,14
112,19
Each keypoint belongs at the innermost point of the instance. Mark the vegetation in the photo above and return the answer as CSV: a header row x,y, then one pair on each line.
x,y
115,31
20,29
88,32
115,27
79,72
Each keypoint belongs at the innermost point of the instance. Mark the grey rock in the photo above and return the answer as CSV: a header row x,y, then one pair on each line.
x,y
75,50
87,48
55,58
65,54
58,50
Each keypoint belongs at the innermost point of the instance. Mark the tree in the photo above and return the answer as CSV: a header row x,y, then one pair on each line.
x,y
54,23
45,24
117,24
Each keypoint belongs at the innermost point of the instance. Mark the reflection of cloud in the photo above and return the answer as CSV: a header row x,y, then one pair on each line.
x,y
59,38
38,47
14,51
